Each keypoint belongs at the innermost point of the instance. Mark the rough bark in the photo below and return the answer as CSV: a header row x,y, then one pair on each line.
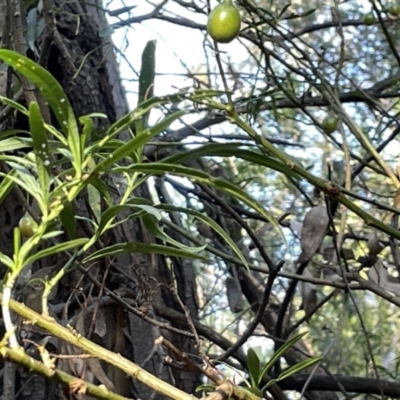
x,y
97,88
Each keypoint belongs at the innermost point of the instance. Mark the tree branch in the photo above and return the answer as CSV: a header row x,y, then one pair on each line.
x,y
350,383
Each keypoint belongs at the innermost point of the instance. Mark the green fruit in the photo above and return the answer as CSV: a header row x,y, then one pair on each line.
x,y
394,10
27,226
224,22
329,124
369,19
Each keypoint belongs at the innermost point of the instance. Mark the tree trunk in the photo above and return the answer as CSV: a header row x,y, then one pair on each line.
x,y
97,88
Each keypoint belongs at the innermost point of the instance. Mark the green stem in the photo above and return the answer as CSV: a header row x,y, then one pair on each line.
x,y
5,308
326,186
70,336
19,356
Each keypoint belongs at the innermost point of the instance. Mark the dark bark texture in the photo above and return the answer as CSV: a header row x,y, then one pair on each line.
x,y
97,88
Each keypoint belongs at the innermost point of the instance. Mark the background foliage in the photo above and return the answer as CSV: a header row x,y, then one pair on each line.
x,y
226,167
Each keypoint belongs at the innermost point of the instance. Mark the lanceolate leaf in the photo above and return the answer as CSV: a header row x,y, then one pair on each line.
x,y
87,122
6,260
102,189
41,148
127,149
6,185
281,351
67,217
15,105
229,150
12,144
94,198
295,369
152,226
253,364
53,93
211,223
145,248
146,80
109,215
200,176
29,184
126,121
58,248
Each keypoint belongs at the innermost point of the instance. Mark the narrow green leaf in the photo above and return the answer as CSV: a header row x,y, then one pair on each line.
x,y
308,12
41,148
13,133
7,261
108,216
15,105
151,210
16,242
191,173
12,144
135,143
253,365
6,185
211,223
52,234
102,188
229,150
86,131
282,350
87,122
58,248
27,183
67,217
145,248
146,81
94,201
20,161
55,96
152,226
126,121
295,369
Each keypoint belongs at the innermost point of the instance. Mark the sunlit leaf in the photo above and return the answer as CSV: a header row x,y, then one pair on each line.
x,y
144,108
135,143
58,248
279,353
41,148
53,93
15,105
7,261
12,144
295,369
87,122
